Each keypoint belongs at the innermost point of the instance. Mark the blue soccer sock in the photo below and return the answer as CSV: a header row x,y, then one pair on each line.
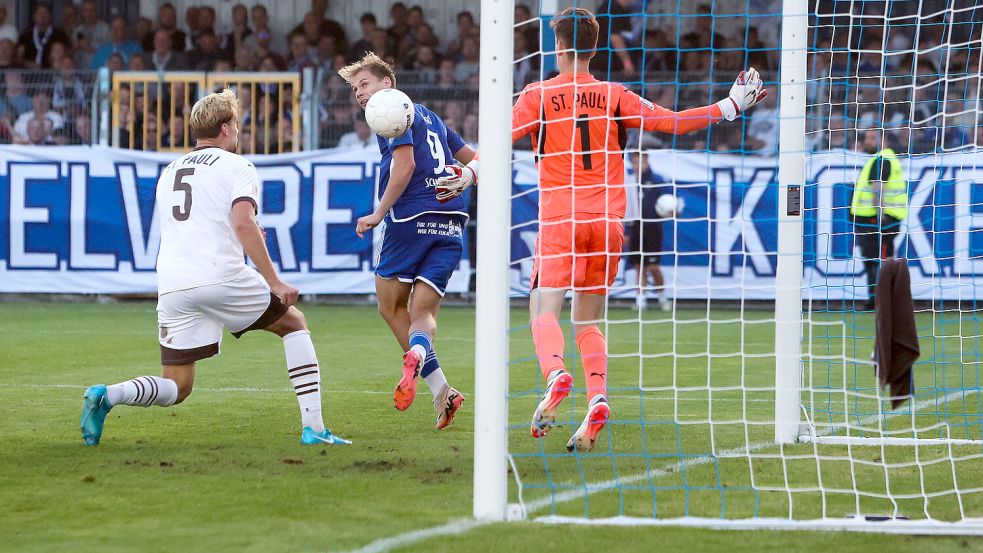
x,y
420,344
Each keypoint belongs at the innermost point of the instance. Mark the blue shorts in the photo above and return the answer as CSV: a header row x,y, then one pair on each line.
x,y
427,248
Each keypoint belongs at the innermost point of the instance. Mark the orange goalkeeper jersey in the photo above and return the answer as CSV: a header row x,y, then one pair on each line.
x,y
579,130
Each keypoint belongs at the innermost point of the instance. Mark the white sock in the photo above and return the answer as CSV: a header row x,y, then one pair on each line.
x,y
436,381
421,351
305,376
143,391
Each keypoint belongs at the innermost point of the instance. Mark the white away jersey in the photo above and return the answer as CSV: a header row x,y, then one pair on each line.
x,y
195,194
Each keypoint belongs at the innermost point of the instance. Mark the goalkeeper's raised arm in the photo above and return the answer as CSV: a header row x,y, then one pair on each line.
x,y
575,94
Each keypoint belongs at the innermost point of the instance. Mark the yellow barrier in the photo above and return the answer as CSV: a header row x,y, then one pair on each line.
x,y
150,109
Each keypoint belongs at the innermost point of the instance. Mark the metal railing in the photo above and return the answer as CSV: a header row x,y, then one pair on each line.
x,y
150,109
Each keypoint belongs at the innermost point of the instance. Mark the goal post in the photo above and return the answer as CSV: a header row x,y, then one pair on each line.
x,y
491,300
791,187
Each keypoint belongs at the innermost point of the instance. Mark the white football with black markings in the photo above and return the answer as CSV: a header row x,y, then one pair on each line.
x,y
389,113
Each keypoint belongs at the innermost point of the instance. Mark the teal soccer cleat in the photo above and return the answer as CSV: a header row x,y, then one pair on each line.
x,y
310,437
94,410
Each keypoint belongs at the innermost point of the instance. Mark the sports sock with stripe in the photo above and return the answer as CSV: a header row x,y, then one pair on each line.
x,y
433,374
305,377
594,354
143,391
547,337
421,344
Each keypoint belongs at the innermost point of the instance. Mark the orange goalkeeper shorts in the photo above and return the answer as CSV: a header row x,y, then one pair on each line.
x,y
577,255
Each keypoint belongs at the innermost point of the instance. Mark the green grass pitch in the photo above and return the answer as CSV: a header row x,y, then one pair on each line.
x,y
224,471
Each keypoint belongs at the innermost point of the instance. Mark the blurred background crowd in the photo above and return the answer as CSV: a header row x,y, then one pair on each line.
x,y
874,64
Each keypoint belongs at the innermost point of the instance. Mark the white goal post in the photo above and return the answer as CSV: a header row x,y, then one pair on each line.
x,y
491,365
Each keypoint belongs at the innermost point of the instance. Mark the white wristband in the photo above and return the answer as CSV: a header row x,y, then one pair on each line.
x,y
728,108
473,166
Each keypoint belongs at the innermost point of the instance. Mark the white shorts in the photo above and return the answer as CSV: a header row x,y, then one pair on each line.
x,y
190,321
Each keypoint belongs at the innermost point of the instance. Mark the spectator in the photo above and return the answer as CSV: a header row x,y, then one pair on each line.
x,y
56,53
468,64
222,66
37,40
142,30
364,45
263,38
398,26
81,130
619,32
381,43
37,132
465,28
445,75
426,64
164,58
41,103
14,101
469,129
762,128
166,21
360,137
7,29
68,94
118,44
703,35
193,23
207,53
660,54
244,60
7,52
315,26
69,21
270,63
526,23
176,131
300,56
206,22
115,62
90,35
526,66
327,49
240,30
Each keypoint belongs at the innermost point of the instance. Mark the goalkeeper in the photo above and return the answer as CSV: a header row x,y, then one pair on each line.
x,y
578,127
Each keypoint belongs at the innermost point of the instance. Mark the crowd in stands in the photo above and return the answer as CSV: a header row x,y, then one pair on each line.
x,y
690,67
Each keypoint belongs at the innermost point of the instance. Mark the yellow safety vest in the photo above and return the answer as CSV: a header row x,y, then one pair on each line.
x,y
894,192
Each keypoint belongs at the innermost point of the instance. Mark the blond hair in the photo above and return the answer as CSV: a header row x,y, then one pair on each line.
x,y
376,65
211,112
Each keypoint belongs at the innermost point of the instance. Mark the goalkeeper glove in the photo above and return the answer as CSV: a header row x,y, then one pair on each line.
x,y
459,180
746,92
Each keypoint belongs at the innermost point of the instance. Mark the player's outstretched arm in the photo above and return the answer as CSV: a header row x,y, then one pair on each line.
x,y
250,235
403,166
460,178
744,94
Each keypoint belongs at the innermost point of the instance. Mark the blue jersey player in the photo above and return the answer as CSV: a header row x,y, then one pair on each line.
x,y
422,242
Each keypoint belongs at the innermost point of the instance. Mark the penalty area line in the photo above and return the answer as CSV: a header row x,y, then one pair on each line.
x,y
383,545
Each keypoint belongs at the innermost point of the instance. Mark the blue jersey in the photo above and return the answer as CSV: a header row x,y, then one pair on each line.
x,y
434,146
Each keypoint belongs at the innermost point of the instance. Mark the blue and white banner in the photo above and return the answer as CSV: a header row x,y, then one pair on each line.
x,y
80,220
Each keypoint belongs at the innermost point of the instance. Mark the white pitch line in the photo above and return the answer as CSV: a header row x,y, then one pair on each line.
x,y
453,527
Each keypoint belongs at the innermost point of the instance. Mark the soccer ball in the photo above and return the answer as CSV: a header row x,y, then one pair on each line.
x,y
389,113
668,205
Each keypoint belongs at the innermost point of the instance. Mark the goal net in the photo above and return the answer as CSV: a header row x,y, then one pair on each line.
x,y
742,383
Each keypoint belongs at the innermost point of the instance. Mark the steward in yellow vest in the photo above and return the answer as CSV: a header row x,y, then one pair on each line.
x,y
880,203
